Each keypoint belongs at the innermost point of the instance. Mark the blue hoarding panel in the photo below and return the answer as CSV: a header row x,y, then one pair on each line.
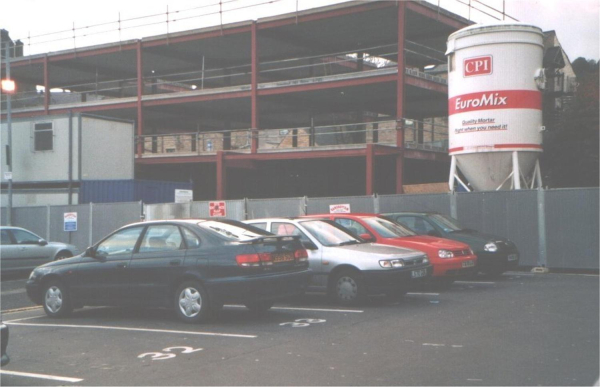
x,y
112,191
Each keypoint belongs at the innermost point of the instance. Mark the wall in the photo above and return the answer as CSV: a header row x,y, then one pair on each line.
x,y
37,197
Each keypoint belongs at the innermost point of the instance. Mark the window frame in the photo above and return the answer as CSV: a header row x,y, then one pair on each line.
x,y
182,244
36,131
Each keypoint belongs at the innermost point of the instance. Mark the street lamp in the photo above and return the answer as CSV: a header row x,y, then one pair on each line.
x,y
8,87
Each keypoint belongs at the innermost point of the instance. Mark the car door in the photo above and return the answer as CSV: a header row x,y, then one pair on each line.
x,y
155,264
9,252
104,278
29,252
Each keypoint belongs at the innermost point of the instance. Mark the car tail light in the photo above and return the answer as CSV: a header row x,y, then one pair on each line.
x,y
248,260
301,255
266,259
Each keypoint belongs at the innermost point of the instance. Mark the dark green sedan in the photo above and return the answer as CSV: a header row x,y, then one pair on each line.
x,y
495,254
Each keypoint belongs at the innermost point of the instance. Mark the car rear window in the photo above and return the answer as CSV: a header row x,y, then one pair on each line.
x,y
387,229
235,231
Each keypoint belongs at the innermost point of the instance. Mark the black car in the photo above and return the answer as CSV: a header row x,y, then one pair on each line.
x,y
4,343
495,254
192,266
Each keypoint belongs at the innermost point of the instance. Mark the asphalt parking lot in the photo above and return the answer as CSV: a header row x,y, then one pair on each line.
x,y
518,329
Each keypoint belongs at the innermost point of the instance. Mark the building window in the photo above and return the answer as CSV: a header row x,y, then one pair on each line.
x,y
43,136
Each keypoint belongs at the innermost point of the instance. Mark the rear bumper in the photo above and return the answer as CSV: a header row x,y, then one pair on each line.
x,y
270,287
387,281
453,267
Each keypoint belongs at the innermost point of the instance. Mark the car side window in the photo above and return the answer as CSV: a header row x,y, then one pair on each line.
x,y
191,239
288,229
262,225
353,226
5,238
164,237
121,242
24,237
416,224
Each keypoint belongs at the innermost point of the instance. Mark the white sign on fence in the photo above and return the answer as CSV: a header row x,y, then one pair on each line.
x,y
339,209
184,195
70,221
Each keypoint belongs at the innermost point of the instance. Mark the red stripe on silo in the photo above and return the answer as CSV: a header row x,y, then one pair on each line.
x,y
499,99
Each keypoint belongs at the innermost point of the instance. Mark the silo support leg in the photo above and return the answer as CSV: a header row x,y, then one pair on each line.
x,y
516,171
452,173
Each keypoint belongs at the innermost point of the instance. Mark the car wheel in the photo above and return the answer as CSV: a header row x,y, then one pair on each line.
x,y
62,255
348,288
57,302
191,302
259,306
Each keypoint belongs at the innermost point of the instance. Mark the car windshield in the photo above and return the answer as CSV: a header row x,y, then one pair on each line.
x,y
233,230
446,223
387,229
329,234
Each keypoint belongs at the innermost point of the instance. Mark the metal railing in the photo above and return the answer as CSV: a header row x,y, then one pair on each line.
x,y
429,135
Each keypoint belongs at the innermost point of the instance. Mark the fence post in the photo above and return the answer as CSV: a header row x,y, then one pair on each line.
x,y
142,212
245,208
305,205
48,222
453,210
91,225
376,203
542,257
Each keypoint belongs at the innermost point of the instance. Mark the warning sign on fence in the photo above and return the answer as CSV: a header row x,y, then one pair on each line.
x,y
217,209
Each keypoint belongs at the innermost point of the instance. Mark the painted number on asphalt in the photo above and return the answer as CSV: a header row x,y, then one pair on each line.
x,y
165,356
302,322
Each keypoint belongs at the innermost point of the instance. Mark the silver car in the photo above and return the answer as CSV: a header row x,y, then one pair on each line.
x,y
348,268
21,249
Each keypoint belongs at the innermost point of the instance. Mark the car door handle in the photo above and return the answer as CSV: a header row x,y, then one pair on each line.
x,y
121,266
175,262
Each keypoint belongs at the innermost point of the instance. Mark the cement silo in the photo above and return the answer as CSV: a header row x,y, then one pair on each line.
x,y
495,105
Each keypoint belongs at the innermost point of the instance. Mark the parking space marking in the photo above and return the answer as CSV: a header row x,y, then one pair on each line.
x,y
423,294
135,330
474,282
22,319
41,376
305,309
15,291
21,309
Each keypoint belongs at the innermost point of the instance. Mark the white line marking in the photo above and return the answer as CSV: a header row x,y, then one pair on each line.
x,y
474,282
456,346
15,291
434,345
22,319
309,309
21,309
423,294
475,380
135,329
41,376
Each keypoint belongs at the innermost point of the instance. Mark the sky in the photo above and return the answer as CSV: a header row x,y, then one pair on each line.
x,y
38,22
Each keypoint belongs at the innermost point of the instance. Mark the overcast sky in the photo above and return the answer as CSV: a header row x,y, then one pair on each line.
x,y
575,21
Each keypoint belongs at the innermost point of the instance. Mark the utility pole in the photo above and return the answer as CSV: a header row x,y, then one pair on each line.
x,y
7,84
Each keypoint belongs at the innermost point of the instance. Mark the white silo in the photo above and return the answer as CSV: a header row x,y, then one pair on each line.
x,y
495,105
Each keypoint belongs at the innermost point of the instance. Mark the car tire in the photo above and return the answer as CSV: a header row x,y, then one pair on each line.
x,y
348,288
191,302
259,306
56,299
63,255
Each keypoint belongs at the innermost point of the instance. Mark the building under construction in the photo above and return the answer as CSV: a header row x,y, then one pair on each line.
x,y
337,100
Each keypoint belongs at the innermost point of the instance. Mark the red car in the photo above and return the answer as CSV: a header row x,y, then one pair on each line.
x,y
449,258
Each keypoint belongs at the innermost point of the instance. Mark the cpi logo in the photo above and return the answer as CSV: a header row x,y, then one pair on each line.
x,y
481,65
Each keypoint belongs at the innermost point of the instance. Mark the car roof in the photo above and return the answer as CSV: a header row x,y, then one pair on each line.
x,y
410,213
301,218
180,221
351,214
13,228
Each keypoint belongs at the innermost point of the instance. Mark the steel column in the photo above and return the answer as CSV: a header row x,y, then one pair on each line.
x,y
254,84
400,98
140,91
46,86
221,176
370,158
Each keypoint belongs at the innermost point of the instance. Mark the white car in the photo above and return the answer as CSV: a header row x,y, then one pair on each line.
x,y
348,268
21,249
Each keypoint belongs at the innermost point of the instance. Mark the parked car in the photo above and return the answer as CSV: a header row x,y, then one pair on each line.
x,y
193,266
495,254
348,268
450,259
4,344
21,249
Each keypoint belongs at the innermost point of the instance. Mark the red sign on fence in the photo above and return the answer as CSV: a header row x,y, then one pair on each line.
x,y
217,209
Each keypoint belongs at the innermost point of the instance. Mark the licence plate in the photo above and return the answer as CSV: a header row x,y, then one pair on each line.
x,y
283,257
468,264
418,273
513,257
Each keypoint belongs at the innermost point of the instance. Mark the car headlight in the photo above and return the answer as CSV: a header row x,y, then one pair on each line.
x,y
445,254
491,247
33,275
425,260
394,263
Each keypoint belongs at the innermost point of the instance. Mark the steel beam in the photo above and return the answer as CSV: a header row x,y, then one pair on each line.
x,y
46,86
254,91
370,160
432,14
140,91
221,176
400,98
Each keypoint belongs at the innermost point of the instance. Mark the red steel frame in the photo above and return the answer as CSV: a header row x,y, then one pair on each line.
x,y
400,99
140,91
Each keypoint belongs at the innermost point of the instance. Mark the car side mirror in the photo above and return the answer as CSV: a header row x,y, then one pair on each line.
x,y
309,246
42,242
367,237
89,252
